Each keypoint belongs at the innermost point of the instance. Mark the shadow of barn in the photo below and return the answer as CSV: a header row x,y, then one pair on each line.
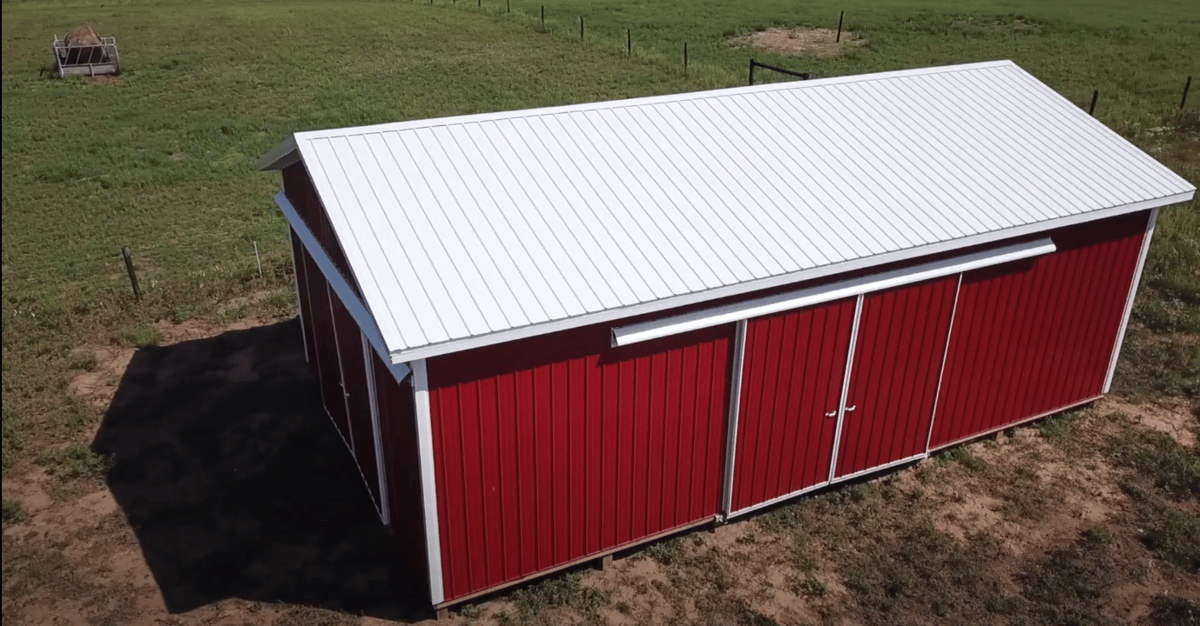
x,y
238,486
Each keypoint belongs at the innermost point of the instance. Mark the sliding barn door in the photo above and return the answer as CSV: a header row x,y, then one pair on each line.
x,y
792,376
893,383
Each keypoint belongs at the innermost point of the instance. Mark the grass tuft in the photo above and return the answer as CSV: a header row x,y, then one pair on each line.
x,y
1068,586
565,590
75,462
14,429
1174,611
1158,458
12,511
751,617
84,360
963,455
1025,496
1060,425
1174,534
139,336
666,551
1154,366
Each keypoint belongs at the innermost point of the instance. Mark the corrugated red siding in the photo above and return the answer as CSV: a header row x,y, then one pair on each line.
x,y
792,376
1031,337
395,403
298,187
557,447
354,376
902,335
306,321
397,421
329,370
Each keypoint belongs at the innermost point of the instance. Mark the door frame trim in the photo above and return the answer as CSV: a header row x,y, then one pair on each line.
x,y
841,411
937,397
735,405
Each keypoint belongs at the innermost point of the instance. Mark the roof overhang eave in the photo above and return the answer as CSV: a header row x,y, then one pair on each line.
x,y
408,355
284,153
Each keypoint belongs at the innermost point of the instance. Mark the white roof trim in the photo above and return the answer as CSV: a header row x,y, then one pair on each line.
x,y
696,320
366,322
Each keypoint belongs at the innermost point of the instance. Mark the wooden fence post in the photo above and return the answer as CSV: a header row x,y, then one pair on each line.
x,y
137,291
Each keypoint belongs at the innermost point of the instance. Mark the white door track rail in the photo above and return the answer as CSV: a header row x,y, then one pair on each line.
x,y
687,322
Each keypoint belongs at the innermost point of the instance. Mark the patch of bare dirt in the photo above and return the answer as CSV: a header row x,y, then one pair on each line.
x,y
820,42
1172,420
1031,481
97,385
199,329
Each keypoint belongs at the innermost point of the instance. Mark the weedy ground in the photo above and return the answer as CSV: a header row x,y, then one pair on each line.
x,y
161,159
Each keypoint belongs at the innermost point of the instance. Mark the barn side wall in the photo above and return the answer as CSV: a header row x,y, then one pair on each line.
x,y
560,447
1036,336
554,448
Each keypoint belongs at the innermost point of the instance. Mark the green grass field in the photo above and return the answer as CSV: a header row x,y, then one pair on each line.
x,y
162,159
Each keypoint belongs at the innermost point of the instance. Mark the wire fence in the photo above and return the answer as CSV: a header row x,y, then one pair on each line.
x,y
632,46
148,270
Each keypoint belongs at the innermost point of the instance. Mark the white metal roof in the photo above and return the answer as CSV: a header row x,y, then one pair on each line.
x,y
468,231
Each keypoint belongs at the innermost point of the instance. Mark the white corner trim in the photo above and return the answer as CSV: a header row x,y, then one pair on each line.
x,y
664,327
1133,287
735,405
366,322
841,410
385,513
433,543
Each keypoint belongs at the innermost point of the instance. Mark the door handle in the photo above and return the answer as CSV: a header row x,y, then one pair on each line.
x,y
851,408
831,414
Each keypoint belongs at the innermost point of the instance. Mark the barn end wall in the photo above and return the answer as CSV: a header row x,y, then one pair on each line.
x,y
299,189
402,469
334,345
558,447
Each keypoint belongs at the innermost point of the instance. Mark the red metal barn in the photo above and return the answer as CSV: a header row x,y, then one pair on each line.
x,y
550,334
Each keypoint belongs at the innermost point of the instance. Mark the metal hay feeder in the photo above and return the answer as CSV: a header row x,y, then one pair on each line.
x,y
87,59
